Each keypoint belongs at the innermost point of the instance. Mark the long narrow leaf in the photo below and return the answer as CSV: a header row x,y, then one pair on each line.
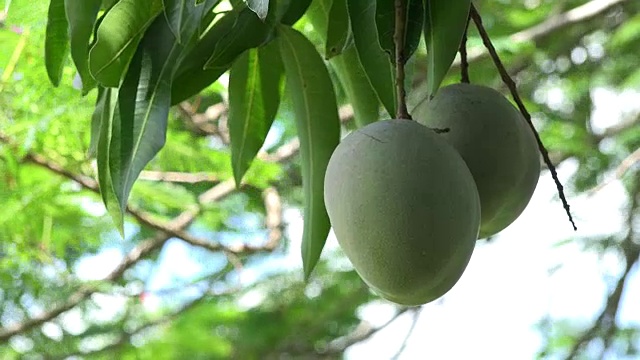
x,y
82,15
107,190
363,99
56,41
338,28
318,125
118,37
444,25
385,24
260,7
144,102
254,97
184,17
245,35
230,36
360,93
97,118
375,61
296,10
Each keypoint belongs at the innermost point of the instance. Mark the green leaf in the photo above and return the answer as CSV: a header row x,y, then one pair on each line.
x,y
254,97
140,125
296,10
260,7
230,36
385,24
360,94
318,125
107,190
56,41
82,15
183,17
117,38
97,118
375,61
338,29
415,22
208,16
244,35
444,25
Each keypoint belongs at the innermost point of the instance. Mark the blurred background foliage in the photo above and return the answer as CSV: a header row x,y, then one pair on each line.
x,y
234,287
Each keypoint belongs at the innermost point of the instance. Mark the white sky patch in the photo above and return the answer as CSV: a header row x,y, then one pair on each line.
x,y
97,267
175,263
611,107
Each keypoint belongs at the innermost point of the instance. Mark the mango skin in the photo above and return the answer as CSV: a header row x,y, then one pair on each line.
x,y
495,142
404,208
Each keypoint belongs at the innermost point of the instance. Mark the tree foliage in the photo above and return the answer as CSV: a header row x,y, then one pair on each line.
x,y
200,125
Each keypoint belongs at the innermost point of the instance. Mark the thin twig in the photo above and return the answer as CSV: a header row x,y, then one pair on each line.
x,y
464,61
416,315
398,39
273,221
177,177
621,170
362,332
516,97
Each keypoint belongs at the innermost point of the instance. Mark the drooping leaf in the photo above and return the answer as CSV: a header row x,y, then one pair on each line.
x,y
385,24
444,25
96,119
117,38
296,10
318,125
338,29
245,35
56,41
260,7
82,15
140,125
230,36
254,97
107,190
360,94
375,61
183,17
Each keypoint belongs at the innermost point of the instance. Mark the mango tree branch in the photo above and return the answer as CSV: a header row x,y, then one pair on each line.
x,y
174,228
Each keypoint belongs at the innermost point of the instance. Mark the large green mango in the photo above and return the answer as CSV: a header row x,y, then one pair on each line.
x,y
404,209
495,142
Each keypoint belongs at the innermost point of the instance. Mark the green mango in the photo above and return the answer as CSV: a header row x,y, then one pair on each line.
x,y
404,209
496,143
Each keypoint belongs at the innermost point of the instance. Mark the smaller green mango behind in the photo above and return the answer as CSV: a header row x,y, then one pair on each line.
x,y
404,209
495,142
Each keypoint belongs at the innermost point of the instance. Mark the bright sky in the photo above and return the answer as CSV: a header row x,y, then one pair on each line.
x,y
505,291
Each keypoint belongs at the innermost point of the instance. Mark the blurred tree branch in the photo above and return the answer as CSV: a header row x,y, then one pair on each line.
x,y
165,231
414,322
126,336
605,325
579,14
362,332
